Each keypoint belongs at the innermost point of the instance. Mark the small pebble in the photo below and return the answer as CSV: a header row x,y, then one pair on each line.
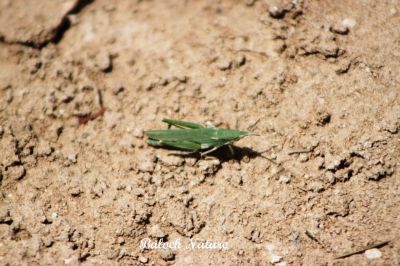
x,y
240,60
285,179
147,165
72,157
275,259
158,180
249,2
316,186
391,126
323,118
209,166
44,148
143,259
224,64
189,161
120,240
72,260
379,171
156,231
339,29
373,253
333,162
103,62
276,12
246,159
5,217
167,254
138,133
75,191
330,177
304,157
48,241
348,22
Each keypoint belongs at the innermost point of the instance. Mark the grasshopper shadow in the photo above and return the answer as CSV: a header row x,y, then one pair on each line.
x,y
224,154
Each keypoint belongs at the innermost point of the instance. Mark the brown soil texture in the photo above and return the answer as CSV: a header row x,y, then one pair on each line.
x,y
318,82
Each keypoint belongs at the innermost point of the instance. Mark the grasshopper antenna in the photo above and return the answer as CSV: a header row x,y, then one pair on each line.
x,y
265,157
251,127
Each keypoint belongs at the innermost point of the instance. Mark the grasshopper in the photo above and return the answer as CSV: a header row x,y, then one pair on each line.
x,y
193,137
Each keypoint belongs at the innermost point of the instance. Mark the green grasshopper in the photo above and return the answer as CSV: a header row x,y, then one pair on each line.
x,y
193,137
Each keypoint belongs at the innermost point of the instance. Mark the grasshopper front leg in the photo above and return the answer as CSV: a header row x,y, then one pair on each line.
x,y
219,146
231,149
202,154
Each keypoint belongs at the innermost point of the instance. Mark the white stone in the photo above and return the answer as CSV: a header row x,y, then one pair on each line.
x,y
275,259
348,22
373,253
143,259
284,179
270,247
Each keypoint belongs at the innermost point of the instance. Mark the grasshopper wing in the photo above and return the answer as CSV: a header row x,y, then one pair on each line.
x,y
182,145
182,124
200,135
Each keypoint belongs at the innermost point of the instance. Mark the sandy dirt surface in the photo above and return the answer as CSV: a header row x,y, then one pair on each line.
x,y
317,81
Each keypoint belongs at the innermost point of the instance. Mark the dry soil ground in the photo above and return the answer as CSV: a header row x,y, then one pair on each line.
x,y
318,81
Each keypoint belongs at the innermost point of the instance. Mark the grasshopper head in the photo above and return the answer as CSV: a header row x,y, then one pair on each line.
x,y
228,134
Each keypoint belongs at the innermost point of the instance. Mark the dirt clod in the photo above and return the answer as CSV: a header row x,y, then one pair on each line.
x,y
334,162
5,217
43,148
323,118
170,160
16,172
379,171
9,154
